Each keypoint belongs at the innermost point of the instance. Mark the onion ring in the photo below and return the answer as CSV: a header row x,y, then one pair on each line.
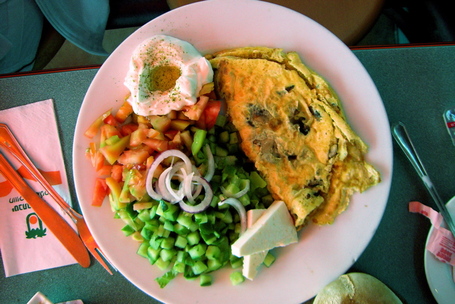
x,y
240,209
205,202
168,153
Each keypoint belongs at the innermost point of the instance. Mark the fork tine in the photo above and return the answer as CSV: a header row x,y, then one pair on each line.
x,y
91,244
99,256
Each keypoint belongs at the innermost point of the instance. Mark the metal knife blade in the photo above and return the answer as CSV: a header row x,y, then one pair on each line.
x,y
401,135
59,227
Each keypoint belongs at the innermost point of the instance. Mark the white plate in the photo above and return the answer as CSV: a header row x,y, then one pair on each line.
x,y
323,253
439,274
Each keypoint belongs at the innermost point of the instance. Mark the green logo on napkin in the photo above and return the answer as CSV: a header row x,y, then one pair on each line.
x,y
34,221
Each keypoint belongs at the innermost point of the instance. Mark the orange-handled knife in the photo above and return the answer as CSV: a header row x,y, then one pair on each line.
x,y
59,227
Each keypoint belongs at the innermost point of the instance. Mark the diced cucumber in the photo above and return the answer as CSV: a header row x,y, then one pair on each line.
x,y
127,230
146,233
162,232
166,278
269,259
234,138
257,181
143,206
181,256
236,278
199,267
180,229
168,211
201,218
179,267
153,254
193,238
155,241
205,280
186,219
144,214
214,265
167,254
137,237
213,252
161,264
181,241
236,262
197,251
168,243
221,120
219,151
224,137
143,249
168,225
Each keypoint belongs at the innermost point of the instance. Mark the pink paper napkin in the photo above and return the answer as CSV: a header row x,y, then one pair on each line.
x,y
26,244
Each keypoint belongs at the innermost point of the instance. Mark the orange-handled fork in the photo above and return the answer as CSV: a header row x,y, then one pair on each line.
x,y
10,143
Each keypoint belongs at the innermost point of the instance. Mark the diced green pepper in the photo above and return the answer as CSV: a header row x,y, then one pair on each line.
x,y
198,141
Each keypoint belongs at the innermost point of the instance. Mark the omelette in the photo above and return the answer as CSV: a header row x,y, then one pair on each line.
x,y
293,128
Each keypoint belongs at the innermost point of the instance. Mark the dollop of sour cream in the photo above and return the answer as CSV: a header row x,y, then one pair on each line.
x,y
165,74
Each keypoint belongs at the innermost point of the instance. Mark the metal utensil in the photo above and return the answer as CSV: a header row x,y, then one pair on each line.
x,y
9,142
59,227
401,136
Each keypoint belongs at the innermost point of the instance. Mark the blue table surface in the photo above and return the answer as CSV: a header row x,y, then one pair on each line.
x,y
416,85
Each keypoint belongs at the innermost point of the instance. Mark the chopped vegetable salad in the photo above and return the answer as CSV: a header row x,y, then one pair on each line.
x,y
166,177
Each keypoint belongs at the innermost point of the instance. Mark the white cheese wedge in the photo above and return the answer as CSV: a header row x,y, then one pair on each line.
x,y
252,262
275,228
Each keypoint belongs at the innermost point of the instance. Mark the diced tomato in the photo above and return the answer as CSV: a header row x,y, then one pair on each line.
x,y
181,116
137,183
98,160
187,139
99,192
138,136
104,170
141,119
90,152
172,115
212,95
125,110
194,112
140,166
116,172
127,129
113,152
211,113
152,133
149,161
171,134
133,157
160,123
176,141
157,144
95,126
109,131
201,122
111,120
180,125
